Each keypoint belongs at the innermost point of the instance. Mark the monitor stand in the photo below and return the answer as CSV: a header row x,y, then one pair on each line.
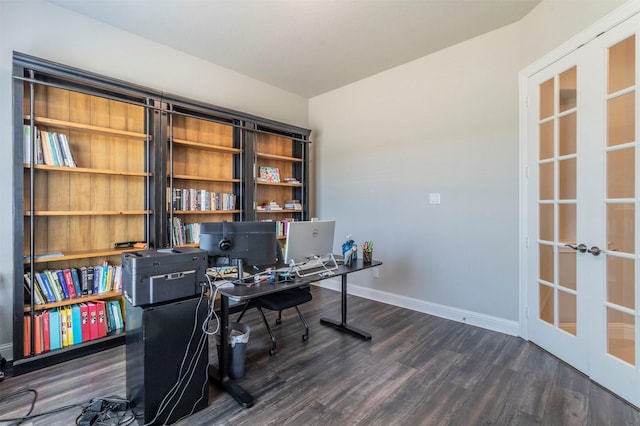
x,y
317,265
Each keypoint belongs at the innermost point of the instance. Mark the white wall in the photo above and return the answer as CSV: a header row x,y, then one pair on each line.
x,y
47,31
446,123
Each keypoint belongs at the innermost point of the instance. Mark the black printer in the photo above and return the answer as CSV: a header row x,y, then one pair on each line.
x,y
157,276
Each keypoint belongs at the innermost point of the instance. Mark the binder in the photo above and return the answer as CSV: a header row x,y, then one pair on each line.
x,y
102,319
77,324
85,321
37,334
93,320
54,329
46,331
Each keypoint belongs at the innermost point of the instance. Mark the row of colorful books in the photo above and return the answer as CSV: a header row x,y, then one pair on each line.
x,y
185,233
70,325
200,200
50,148
52,286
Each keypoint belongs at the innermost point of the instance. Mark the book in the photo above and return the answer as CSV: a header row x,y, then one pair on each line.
x,y
37,334
93,320
59,276
76,314
68,279
270,174
54,329
70,325
85,322
76,282
102,319
64,143
46,148
31,288
46,331
63,327
26,341
52,294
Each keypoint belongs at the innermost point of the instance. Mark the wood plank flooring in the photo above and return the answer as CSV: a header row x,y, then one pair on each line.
x,y
417,370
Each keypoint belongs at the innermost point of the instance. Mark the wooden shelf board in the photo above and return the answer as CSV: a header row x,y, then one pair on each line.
x,y
280,157
205,146
204,178
87,170
101,296
279,211
86,254
204,211
89,213
279,184
52,122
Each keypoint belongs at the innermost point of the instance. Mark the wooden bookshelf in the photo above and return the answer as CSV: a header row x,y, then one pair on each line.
x,y
132,147
203,181
67,216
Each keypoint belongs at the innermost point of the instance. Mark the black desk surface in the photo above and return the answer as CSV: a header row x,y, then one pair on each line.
x,y
245,292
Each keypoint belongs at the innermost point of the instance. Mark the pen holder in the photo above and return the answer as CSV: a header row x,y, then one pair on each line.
x,y
367,255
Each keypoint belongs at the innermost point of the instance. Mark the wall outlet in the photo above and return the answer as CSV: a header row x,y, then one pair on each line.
x,y
375,272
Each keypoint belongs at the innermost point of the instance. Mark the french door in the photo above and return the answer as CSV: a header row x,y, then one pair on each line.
x,y
583,210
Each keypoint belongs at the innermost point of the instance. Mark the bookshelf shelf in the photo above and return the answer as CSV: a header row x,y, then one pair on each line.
x,y
100,296
205,212
70,125
75,255
87,170
90,213
279,157
206,179
299,185
205,146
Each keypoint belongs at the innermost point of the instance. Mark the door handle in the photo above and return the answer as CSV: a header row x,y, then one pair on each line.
x,y
595,250
581,248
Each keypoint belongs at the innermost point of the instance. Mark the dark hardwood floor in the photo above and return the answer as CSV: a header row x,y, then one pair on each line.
x,y
417,370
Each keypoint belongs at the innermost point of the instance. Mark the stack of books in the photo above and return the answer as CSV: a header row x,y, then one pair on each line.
x,y
292,205
269,205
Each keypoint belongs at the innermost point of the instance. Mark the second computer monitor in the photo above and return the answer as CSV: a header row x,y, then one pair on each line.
x,y
253,243
309,240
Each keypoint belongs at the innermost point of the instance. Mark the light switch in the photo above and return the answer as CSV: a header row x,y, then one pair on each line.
x,y
434,198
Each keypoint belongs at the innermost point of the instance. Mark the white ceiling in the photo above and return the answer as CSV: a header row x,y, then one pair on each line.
x,y
306,47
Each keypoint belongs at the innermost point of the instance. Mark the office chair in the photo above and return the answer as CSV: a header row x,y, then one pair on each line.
x,y
278,302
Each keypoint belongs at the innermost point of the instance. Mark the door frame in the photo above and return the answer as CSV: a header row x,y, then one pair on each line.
x,y
606,23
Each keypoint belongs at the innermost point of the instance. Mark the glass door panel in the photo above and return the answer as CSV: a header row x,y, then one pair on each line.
x,y
621,173
567,179
567,310
622,60
621,331
621,202
621,118
620,282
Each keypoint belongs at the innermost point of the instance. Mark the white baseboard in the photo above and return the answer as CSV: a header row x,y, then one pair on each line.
x,y
472,318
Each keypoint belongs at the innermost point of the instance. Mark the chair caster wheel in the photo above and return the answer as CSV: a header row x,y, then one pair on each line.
x,y
305,337
272,352
278,321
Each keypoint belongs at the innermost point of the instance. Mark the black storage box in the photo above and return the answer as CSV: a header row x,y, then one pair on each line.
x,y
157,276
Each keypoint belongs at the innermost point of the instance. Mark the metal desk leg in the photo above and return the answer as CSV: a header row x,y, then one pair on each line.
x,y
221,376
343,326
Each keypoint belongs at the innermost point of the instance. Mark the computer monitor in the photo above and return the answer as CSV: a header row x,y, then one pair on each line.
x,y
308,241
246,243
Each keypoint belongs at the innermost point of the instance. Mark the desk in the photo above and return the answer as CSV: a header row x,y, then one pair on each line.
x,y
243,293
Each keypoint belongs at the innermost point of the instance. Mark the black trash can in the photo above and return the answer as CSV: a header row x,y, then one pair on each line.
x,y
238,338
